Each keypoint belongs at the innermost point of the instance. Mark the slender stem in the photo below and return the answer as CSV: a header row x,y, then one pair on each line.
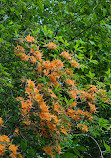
x,y
97,145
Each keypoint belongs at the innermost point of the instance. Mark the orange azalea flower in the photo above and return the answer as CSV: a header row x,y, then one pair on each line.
x,y
33,59
24,105
63,130
2,149
23,111
66,55
79,112
46,72
70,82
83,127
56,107
92,89
36,91
74,64
51,45
22,79
71,112
13,148
38,98
12,155
54,82
43,107
4,138
52,66
45,116
1,121
27,122
39,85
30,39
16,132
58,63
56,74
32,50
73,104
55,119
88,96
19,49
23,56
69,71
48,150
19,156
46,64
38,55
20,99
88,115
28,90
76,117
52,94
52,78
39,67
30,83
58,148
92,108
51,126
69,126
29,103
73,94
107,100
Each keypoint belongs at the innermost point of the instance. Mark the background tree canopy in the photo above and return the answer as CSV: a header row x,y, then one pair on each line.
x,y
79,27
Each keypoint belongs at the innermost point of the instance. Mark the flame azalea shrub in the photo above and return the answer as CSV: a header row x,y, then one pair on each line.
x,y
54,106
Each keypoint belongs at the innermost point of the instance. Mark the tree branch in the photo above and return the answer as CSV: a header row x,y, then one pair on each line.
x,y
101,155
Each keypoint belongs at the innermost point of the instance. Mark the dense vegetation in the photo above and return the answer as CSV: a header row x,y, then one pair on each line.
x,y
55,78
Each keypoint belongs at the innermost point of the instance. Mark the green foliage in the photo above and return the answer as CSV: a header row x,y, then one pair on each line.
x,y
5,79
81,27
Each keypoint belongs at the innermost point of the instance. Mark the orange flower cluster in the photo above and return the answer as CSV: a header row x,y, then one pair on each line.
x,y
5,143
51,45
66,55
48,149
101,93
83,127
74,64
16,132
46,101
30,39
1,121
33,50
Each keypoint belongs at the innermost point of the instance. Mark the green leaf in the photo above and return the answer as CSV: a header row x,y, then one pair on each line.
x,y
81,148
31,151
90,75
107,146
66,100
76,151
69,155
24,145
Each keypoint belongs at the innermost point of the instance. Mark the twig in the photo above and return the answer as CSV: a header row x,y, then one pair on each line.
x,y
97,145
7,120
